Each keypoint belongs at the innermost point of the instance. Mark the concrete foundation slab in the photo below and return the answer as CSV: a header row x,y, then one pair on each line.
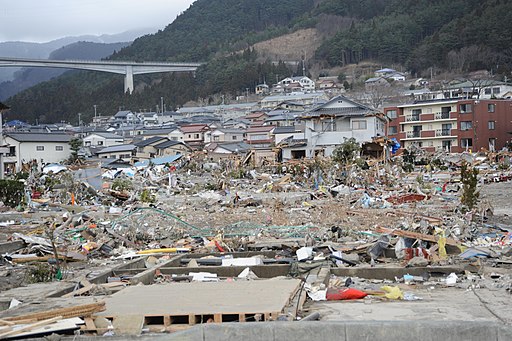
x,y
202,298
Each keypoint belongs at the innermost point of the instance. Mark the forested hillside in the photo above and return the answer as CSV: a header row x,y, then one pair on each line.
x,y
458,35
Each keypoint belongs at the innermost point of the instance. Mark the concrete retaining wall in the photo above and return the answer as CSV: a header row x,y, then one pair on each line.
x,y
347,331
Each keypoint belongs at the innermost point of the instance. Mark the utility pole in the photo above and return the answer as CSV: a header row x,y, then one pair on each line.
x,y
162,105
95,121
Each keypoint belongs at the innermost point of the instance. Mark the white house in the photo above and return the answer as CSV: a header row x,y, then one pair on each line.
x,y
305,83
43,147
148,118
224,135
123,151
328,125
125,117
102,140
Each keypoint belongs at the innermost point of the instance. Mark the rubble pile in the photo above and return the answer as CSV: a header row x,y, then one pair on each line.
x,y
328,224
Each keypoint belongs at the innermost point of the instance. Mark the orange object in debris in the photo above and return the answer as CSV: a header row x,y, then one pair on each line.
x,y
72,198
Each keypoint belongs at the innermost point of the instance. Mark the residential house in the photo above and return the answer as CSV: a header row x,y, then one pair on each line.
x,y
328,83
157,131
299,83
102,139
101,120
124,118
477,89
146,148
452,125
396,76
281,117
148,118
257,118
43,147
307,99
262,89
193,135
224,135
236,123
328,125
375,82
125,152
236,148
286,132
171,147
260,136
128,130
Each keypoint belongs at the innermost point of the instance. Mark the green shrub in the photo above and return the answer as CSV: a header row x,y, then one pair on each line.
x,y
11,192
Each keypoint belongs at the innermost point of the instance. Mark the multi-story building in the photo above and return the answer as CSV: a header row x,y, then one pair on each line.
x,y
452,125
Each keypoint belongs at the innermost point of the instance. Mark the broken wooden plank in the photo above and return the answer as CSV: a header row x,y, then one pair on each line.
x,y
30,327
86,287
74,311
416,235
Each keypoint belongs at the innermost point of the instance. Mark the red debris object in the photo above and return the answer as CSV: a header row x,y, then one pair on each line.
x,y
220,248
404,198
344,294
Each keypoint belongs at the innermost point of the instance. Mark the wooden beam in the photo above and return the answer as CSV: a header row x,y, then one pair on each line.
x,y
416,235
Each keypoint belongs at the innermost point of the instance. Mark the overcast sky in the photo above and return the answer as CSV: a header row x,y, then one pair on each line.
x,y
46,20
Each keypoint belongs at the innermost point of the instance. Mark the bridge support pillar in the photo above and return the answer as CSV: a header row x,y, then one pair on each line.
x,y
128,79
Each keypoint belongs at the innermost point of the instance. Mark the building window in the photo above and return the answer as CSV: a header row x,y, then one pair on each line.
x,y
359,125
392,131
465,108
496,90
328,126
234,137
466,125
466,143
392,114
174,138
59,148
196,136
216,138
491,107
446,145
487,91
100,143
491,125
39,148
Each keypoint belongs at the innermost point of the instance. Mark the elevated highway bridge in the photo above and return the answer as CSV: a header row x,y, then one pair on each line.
x,y
126,68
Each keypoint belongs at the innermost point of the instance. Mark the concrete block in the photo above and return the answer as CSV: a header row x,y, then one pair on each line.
x,y
242,261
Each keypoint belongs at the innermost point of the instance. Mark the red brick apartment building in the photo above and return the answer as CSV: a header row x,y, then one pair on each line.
x,y
452,125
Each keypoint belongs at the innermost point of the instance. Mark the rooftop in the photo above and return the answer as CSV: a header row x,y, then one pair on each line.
x,y
40,137
119,148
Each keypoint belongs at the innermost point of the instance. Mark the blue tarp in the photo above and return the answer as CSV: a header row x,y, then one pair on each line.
x,y
396,145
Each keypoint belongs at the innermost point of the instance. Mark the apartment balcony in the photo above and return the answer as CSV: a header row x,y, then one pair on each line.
x,y
443,132
443,116
412,118
413,134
